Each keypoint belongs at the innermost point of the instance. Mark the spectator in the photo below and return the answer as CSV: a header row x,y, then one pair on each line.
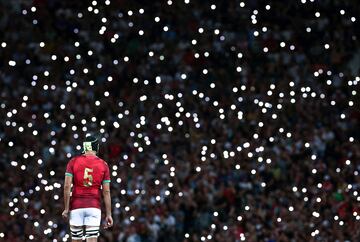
x,y
224,121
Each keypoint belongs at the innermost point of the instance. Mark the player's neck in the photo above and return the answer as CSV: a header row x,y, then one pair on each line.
x,y
90,153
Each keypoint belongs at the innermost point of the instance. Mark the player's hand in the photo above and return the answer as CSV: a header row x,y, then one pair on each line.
x,y
109,222
65,214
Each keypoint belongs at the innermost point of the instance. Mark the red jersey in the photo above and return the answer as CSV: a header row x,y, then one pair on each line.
x,y
89,172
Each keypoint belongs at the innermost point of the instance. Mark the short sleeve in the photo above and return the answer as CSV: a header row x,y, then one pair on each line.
x,y
70,168
106,174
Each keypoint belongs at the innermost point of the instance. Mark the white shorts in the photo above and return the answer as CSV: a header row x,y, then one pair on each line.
x,y
85,216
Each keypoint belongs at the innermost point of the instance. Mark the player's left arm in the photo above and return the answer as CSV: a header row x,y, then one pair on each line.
x,y
67,188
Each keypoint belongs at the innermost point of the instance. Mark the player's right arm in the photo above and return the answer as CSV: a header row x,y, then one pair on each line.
x,y
107,197
107,201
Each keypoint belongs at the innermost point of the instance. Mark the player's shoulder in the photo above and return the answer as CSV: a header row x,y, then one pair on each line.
x,y
73,159
76,157
103,162
85,157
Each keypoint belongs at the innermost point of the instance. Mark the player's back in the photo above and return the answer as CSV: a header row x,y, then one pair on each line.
x,y
89,172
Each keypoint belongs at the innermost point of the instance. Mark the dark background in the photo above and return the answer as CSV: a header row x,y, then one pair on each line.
x,y
237,136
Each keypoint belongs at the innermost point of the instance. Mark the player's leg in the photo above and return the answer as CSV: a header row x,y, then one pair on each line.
x,y
77,233
76,225
92,224
92,233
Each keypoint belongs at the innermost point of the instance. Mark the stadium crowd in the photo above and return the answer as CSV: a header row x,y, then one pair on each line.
x,y
220,120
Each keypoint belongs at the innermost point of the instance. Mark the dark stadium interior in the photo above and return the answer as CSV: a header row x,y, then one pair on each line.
x,y
221,121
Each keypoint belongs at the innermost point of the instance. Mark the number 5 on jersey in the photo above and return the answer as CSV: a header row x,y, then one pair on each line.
x,y
88,178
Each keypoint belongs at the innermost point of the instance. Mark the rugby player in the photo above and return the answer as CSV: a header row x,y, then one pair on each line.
x,y
88,176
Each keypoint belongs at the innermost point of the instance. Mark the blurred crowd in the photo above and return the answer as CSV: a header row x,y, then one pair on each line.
x,y
220,120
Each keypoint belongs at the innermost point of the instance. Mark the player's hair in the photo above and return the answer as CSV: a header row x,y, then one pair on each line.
x,y
91,143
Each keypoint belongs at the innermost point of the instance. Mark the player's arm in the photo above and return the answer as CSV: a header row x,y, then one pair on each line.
x,y
107,197
107,201
67,189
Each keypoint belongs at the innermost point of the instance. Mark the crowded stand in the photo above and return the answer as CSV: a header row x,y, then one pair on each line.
x,y
220,121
